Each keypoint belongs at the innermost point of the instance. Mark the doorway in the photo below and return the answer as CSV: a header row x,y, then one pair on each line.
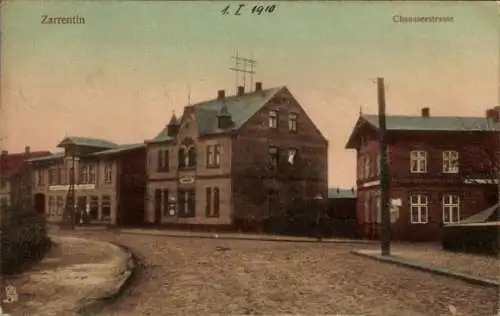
x,y
39,203
81,210
157,207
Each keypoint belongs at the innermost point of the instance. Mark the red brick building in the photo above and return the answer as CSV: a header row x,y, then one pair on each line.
x,y
441,170
14,187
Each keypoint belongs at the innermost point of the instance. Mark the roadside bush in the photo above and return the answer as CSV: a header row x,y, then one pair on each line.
x,y
24,239
480,239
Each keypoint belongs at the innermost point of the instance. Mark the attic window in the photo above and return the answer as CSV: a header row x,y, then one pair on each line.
x,y
273,119
292,122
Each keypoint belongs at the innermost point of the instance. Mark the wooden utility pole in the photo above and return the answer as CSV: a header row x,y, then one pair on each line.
x,y
385,236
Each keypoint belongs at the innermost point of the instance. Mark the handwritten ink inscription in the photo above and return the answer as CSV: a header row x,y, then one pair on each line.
x,y
242,8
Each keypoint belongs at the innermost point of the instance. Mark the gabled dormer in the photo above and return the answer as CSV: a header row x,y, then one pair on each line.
x,y
224,120
173,126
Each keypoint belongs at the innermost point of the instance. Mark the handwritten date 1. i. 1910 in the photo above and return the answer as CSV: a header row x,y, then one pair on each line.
x,y
256,9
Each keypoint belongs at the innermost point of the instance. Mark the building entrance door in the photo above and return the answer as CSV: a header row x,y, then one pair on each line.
x,y
81,214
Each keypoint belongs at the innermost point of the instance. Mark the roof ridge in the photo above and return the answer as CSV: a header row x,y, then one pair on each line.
x,y
429,117
232,97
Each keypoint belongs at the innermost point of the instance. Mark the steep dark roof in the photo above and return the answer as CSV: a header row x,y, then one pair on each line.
x,y
88,141
429,124
337,193
241,109
433,123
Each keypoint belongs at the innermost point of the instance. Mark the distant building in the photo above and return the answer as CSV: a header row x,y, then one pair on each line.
x,y
442,170
342,202
15,188
342,209
235,158
109,180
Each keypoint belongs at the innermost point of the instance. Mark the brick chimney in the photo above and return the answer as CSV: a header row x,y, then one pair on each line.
x,y
241,91
258,86
27,150
426,112
221,94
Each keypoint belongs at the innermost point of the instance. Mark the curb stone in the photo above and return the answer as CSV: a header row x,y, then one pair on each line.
x,y
221,236
421,267
93,305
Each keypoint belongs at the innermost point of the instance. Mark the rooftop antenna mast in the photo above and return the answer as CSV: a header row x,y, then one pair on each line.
x,y
241,65
189,94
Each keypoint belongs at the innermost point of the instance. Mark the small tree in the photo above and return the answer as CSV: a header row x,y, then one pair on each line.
x,y
24,238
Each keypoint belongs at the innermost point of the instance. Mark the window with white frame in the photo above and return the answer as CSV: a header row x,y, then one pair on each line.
x,y
361,168
451,209
38,178
163,160
367,167
418,161
292,122
52,176
92,174
418,209
59,205
217,151
292,154
273,119
108,173
84,175
450,161
210,156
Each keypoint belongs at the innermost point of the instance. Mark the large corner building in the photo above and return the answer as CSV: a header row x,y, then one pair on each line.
x,y
242,157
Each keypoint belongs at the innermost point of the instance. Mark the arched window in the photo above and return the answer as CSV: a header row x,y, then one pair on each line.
x,y
191,157
182,158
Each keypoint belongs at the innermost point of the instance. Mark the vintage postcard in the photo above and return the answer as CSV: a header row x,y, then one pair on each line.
x,y
249,158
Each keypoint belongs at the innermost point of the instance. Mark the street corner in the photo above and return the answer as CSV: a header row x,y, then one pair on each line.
x,y
74,275
448,264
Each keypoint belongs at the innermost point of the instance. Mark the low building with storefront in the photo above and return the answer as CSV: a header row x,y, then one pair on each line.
x,y
108,181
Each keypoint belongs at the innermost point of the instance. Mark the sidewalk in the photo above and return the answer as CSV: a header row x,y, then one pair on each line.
x,y
471,268
231,236
75,273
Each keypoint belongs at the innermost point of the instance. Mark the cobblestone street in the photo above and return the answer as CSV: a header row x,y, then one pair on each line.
x,y
191,276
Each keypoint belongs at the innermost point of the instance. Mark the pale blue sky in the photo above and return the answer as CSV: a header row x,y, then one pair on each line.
x,y
120,75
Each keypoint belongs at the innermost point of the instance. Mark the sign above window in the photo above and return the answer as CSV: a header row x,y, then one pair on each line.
x,y
186,180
